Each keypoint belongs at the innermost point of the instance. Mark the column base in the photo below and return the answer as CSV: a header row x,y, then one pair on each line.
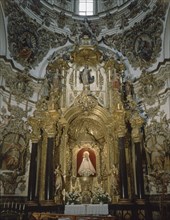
x,y
47,203
124,201
140,201
31,203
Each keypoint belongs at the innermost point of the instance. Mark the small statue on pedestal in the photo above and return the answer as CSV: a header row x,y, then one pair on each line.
x,y
59,185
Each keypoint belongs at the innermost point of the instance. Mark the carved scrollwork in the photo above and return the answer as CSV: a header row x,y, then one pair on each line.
x,y
150,86
86,101
136,43
28,42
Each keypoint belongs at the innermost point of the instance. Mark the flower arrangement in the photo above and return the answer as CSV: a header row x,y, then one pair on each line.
x,y
100,196
73,197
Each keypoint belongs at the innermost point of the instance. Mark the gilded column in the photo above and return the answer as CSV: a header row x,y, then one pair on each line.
x,y
136,123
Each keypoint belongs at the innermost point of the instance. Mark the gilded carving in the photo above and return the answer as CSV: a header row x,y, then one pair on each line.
x,y
118,115
136,123
86,101
86,55
35,125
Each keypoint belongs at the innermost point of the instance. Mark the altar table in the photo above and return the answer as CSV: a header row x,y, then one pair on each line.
x,y
87,209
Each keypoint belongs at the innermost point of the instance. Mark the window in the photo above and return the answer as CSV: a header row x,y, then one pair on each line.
x,y
85,7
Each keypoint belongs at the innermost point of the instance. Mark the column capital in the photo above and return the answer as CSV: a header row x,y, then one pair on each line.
x,y
35,125
121,131
136,123
49,122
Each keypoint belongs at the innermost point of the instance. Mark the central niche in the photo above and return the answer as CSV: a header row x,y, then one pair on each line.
x,y
89,152
86,142
86,162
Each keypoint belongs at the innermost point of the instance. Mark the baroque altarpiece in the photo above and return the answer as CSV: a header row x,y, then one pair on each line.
x,y
87,139
85,130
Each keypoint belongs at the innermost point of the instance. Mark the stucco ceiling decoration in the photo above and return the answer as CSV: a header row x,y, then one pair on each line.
x,y
28,41
62,13
33,30
142,43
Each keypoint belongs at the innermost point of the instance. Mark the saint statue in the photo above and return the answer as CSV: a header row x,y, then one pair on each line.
x,y
85,76
59,184
114,180
86,167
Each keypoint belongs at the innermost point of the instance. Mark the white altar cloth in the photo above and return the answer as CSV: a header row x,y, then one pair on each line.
x,y
87,209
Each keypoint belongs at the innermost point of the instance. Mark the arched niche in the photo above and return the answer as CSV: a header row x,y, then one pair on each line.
x,y
88,131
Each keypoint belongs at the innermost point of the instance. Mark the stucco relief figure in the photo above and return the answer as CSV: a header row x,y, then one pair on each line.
x,y
12,155
59,184
157,155
85,76
144,47
86,167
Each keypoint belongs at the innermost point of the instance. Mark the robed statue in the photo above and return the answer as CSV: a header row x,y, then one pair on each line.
x,y
85,76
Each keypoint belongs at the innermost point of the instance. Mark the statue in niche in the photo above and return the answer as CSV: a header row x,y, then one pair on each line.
x,y
85,77
86,167
59,184
114,180
116,81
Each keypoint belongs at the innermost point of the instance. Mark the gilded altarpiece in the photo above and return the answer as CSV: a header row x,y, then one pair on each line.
x,y
87,140
82,114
